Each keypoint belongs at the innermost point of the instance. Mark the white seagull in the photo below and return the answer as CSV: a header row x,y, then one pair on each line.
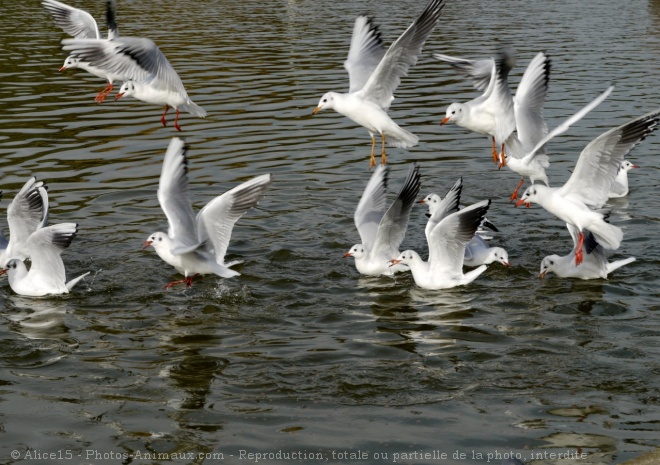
x,y
594,265
527,148
196,245
619,187
477,251
382,229
447,249
27,213
81,25
374,75
147,74
46,275
492,112
590,182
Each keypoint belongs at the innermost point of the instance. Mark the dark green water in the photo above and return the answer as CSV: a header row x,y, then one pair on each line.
x,y
300,354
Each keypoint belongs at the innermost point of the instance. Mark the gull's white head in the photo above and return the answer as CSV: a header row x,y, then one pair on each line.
x,y
357,251
127,89
498,254
158,241
454,113
71,62
531,195
327,101
406,258
548,264
14,269
627,166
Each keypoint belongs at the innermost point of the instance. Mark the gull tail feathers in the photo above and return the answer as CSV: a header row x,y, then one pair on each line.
x,y
69,285
194,109
608,235
474,274
401,138
619,263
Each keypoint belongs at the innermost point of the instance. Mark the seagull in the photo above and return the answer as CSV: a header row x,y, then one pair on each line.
x,y
374,74
492,112
382,229
196,245
477,251
590,182
46,275
619,187
81,25
594,266
447,249
147,74
527,148
27,213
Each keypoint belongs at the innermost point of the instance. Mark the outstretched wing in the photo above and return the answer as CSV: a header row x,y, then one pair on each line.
x,y
480,71
25,214
529,101
365,52
216,220
401,55
599,161
372,206
75,22
46,245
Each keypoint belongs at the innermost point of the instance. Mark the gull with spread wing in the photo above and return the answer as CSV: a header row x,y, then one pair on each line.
x,y
46,275
374,75
81,25
196,245
589,185
477,251
447,243
619,187
146,72
492,112
382,229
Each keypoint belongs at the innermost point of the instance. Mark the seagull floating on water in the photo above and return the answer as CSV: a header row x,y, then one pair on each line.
x,y
147,74
196,245
81,25
383,228
619,187
447,244
374,75
594,264
590,183
46,275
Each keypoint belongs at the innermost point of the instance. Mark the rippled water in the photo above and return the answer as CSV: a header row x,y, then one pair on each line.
x,y
300,353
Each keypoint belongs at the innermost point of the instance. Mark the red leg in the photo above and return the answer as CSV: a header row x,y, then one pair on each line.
x,y
502,158
162,118
578,249
494,152
104,93
188,281
176,121
514,196
167,286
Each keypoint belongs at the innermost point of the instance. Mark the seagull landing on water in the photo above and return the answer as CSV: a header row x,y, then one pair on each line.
x,y
196,245
589,185
374,75
81,25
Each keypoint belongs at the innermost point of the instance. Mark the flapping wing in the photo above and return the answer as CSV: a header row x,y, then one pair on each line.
x,y
529,100
216,220
599,161
400,56
372,206
365,52
75,22
46,245
174,197
134,58
563,127
25,214
480,71
450,237
449,204
392,228
111,19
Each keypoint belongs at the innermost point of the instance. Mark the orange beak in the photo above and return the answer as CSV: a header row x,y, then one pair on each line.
x,y
445,120
118,96
421,201
146,244
506,264
635,166
348,254
542,275
394,261
62,68
316,110
520,202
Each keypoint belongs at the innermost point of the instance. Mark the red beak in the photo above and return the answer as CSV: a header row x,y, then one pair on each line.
x,y
520,202
445,120
118,96
146,244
